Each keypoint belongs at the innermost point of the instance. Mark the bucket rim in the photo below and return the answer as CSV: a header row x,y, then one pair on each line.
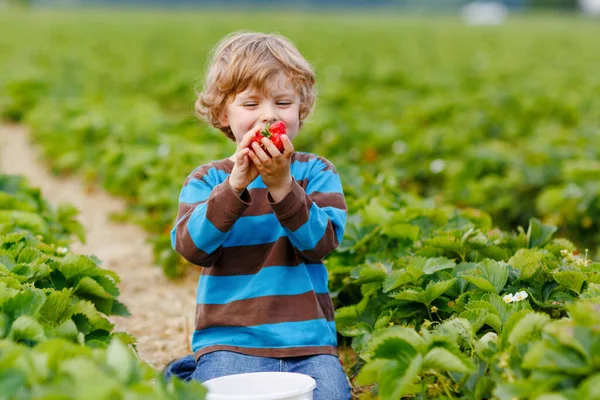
x,y
270,396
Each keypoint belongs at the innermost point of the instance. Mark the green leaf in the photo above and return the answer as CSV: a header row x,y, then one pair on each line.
x,y
539,234
27,302
395,377
120,359
437,264
57,307
441,359
572,280
401,231
26,329
12,382
528,261
73,265
435,290
125,338
95,319
557,358
495,272
4,325
526,328
88,286
401,333
7,260
588,389
393,348
480,282
398,278
67,330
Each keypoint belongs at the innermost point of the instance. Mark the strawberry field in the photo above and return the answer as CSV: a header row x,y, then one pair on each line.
x,y
470,163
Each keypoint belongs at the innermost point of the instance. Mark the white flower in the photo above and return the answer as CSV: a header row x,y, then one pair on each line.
x,y
564,252
399,147
520,296
508,298
437,166
61,250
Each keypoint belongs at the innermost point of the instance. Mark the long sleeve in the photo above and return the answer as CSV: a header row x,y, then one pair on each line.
x,y
206,214
314,219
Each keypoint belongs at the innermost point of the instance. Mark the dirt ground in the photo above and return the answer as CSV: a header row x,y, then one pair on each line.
x,y
162,311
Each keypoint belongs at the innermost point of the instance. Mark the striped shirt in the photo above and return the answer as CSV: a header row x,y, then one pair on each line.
x,y
265,293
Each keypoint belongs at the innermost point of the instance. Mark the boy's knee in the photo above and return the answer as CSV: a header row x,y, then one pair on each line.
x,y
332,386
181,368
332,383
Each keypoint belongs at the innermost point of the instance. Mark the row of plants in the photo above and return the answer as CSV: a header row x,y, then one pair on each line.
x,y
444,305
471,118
55,338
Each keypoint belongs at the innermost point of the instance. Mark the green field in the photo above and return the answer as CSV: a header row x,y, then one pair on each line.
x,y
460,149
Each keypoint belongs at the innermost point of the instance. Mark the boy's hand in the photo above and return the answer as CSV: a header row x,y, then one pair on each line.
x,y
244,171
274,170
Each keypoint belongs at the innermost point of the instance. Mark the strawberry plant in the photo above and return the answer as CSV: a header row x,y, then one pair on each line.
x,y
55,337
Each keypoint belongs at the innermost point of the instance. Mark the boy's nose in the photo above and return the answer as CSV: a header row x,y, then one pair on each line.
x,y
268,118
268,115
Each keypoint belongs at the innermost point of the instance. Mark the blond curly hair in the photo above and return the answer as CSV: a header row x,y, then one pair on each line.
x,y
244,60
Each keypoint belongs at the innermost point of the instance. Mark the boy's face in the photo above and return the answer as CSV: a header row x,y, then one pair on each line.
x,y
253,109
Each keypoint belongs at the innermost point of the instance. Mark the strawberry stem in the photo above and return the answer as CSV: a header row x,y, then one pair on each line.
x,y
265,132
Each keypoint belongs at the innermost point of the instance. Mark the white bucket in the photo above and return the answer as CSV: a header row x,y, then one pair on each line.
x,y
261,386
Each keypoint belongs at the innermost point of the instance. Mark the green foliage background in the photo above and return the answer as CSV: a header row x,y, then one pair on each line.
x,y
469,158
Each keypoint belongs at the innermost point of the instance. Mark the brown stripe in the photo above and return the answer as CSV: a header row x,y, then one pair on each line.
x,y
224,207
322,199
302,157
200,172
273,353
259,203
185,246
246,260
265,310
292,210
260,206
325,246
306,157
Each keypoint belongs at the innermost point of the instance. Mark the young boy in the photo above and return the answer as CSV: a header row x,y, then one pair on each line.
x,y
260,223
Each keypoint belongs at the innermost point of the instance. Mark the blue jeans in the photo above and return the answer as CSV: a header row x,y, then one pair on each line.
x,y
325,369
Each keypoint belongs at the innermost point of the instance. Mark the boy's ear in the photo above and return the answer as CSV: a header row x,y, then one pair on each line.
x,y
223,120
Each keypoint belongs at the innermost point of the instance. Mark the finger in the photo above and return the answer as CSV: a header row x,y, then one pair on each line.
x,y
241,156
273,150
248,137
255,160
288,147
246,140
264,158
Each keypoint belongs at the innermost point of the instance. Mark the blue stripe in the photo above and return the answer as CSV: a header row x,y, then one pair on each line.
x,y
257,229
308,235
269,281
204,234
317,332
199,189
196,190
326,182
257,184
301,170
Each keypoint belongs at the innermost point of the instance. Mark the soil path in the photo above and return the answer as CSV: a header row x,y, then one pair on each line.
x,y
162,311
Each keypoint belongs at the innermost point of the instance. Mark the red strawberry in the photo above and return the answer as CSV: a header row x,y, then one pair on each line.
x,y
272,132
